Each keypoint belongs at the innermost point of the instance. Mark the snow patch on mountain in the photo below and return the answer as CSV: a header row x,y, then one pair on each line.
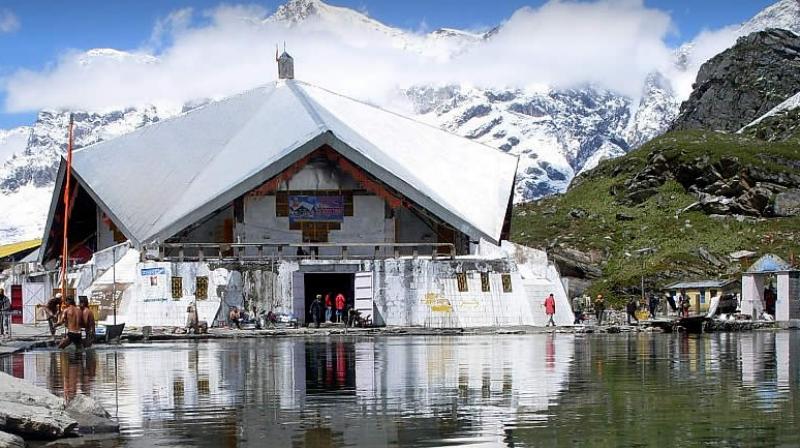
x,y
790,104
24,213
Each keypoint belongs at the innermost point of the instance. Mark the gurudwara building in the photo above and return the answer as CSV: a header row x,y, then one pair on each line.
x,y
270,197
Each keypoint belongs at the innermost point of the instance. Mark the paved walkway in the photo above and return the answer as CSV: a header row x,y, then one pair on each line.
x,y
24,337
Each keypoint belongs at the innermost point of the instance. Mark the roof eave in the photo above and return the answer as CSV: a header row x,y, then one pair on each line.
x,y
48,226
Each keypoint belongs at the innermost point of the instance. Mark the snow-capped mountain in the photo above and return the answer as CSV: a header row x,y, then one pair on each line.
x,y
557,133
784,14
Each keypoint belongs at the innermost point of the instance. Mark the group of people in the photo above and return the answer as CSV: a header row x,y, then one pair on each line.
x,y
331,304
260,319
76,319
582,306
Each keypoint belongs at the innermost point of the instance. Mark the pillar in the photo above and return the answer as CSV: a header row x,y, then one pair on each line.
x,y
782,303
752,295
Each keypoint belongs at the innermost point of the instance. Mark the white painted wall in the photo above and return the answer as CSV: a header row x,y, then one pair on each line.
x,y
752,292
368,224
146,303
782,302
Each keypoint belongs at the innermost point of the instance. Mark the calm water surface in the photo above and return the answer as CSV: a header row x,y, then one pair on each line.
x,y
527,390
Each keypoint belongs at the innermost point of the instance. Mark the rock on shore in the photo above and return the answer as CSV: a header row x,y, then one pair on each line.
x,y
11,441
34,413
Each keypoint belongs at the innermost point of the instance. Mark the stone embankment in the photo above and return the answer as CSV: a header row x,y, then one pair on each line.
x,y
29,412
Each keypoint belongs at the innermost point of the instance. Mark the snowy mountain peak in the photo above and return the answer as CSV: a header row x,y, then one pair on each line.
x,y
295,11
784,14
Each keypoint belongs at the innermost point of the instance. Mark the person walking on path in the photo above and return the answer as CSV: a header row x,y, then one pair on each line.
x,y
340,302
316,308
550,309
87,321
654,301
599,308
631,308
577,309
5,312
328,307
71,317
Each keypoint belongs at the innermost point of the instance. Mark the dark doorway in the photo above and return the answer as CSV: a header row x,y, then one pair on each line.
x,y
332,284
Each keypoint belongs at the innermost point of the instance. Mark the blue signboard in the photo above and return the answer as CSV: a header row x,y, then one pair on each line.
x,y
148,272
303,208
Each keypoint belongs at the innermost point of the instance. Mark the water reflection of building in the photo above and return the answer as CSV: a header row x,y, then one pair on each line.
x,y
322,392
376,392
766,360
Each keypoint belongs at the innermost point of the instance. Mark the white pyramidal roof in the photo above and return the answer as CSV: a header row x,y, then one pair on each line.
x,y
161,178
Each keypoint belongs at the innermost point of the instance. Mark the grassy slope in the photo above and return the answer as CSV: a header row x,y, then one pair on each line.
x,y
548,223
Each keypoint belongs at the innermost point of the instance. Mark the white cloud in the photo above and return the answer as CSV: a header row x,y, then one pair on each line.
x,y
706,45
174,23
9,22
611,43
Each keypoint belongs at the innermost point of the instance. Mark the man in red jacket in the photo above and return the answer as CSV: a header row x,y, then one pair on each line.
x,y
328,307
550,309
339,306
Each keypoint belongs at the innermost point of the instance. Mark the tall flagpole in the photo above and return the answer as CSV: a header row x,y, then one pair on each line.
x,y
65,245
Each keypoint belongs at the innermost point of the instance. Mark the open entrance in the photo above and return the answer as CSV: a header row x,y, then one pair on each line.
x,y
328,284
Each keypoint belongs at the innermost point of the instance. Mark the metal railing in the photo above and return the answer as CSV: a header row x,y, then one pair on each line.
x,y
255,252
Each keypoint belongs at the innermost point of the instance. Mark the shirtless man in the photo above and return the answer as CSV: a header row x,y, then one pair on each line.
x,y
71,317
87,318
52,309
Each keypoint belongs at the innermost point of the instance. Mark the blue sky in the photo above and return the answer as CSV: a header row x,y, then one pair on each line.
x,y
48,28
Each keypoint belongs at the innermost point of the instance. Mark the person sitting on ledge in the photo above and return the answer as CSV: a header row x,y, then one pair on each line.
x,y
235,318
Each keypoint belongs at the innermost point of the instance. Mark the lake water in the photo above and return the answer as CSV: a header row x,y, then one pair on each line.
x,y
504,390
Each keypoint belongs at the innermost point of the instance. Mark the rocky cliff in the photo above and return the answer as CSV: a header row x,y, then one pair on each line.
x,y
744,82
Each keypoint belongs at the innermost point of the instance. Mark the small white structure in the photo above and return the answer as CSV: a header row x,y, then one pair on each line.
x,y
787,298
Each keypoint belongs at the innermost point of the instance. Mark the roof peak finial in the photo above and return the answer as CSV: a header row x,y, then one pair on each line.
x,y
285,63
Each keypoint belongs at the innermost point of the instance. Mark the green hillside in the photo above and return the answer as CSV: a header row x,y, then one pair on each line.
x,y
645,200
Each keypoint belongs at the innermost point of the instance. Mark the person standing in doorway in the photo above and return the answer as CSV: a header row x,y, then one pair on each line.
x,y
577,309
340,302
5,312
328,307
599,308
315,310
631,308
550,309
